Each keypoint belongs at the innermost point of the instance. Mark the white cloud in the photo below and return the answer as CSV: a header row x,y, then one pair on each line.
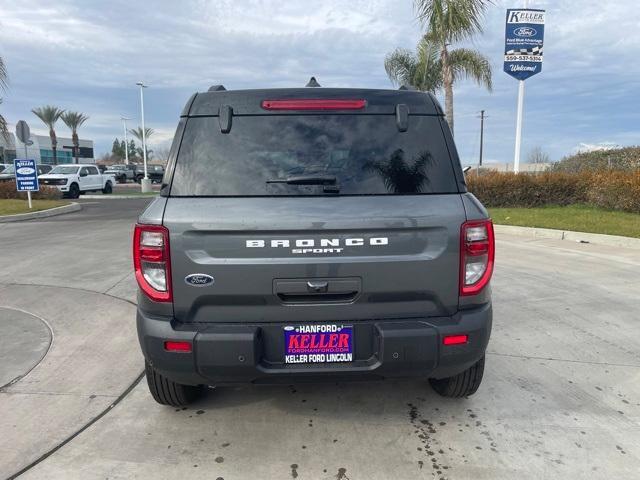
x,y
87,55
594,147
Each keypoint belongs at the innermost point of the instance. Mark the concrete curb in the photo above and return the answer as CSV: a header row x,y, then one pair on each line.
x,y
580,237
115,197
52,212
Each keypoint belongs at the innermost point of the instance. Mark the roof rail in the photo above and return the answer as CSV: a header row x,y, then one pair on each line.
x,y
216,88
312,83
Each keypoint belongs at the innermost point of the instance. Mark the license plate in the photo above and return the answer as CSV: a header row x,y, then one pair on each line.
x,y
318,343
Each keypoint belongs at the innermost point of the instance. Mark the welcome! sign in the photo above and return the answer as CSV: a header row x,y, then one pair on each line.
x,y
524,39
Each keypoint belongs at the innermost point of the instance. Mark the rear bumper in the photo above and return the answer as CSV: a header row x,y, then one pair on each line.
x,y
253,353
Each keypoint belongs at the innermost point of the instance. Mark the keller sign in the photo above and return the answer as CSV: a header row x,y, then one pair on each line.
x,y
524,38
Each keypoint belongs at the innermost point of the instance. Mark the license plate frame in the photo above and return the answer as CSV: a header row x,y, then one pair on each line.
x,y
318,343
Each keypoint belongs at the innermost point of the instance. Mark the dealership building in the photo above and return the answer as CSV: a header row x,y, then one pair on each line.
x,y
42,152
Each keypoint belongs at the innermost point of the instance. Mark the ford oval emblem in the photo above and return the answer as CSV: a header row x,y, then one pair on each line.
x,y
198,279
525,32
25,171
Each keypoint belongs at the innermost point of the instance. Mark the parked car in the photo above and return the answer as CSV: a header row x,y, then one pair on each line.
x,y
9,173
122,173
155,173
3,166
74,180
319,233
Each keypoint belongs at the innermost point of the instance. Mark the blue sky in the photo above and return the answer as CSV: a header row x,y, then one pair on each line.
x,y
88,55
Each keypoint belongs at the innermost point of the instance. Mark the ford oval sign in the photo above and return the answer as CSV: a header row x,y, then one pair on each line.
x,y
198,279
26,171
525,32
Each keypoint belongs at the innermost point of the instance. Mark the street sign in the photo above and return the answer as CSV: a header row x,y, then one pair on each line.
x,y
23,132
26,175
524,38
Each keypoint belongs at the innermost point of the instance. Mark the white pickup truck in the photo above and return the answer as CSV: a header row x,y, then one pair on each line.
x,y
73,180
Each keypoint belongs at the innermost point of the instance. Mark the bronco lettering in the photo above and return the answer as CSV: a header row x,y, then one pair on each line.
x,y
309,243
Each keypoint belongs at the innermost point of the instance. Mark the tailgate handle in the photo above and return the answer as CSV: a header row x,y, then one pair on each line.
x,y
317,290
318,287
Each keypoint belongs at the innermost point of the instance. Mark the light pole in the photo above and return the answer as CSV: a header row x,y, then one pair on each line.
x,y
146,184
482,117
126,143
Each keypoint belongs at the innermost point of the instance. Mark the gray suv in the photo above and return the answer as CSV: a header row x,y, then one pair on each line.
x,y
312,234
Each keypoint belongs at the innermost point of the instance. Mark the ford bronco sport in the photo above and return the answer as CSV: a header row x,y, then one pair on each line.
x,y
308,234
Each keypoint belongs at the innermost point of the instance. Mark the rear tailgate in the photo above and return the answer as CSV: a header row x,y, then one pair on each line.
x,y
299,259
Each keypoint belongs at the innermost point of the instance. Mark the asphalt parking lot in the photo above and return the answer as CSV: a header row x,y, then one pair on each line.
x,y
560,397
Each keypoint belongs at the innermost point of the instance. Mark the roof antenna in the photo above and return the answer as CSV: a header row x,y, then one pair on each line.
x,y
216,88
313,83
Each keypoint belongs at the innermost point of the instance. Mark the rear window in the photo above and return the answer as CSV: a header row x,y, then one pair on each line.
x,y
366,154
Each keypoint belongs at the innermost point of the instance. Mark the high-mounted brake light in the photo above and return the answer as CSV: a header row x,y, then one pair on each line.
x,y
477,253
151,261
313,104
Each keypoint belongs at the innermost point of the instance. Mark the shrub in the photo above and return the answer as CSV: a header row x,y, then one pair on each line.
x,y
8,190
615,190
627,158
610,189
511,190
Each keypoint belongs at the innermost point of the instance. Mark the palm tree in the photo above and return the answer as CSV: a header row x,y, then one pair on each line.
x,y
399,176
137,132
420,70
49,115
435,65
3,86
74,120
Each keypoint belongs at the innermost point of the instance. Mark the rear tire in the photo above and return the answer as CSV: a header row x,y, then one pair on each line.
x,y
461,385
107,188
168,392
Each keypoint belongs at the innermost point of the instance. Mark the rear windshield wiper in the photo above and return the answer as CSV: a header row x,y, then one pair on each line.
x,y
305,180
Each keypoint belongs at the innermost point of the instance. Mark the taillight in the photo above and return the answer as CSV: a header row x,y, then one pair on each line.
x,y
313,104
151,261
477,252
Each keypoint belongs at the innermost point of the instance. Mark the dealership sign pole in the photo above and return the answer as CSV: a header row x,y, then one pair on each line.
x,y
524,38
25,170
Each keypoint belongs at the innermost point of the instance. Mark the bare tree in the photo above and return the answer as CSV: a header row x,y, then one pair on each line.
x,y
161,155
537,155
